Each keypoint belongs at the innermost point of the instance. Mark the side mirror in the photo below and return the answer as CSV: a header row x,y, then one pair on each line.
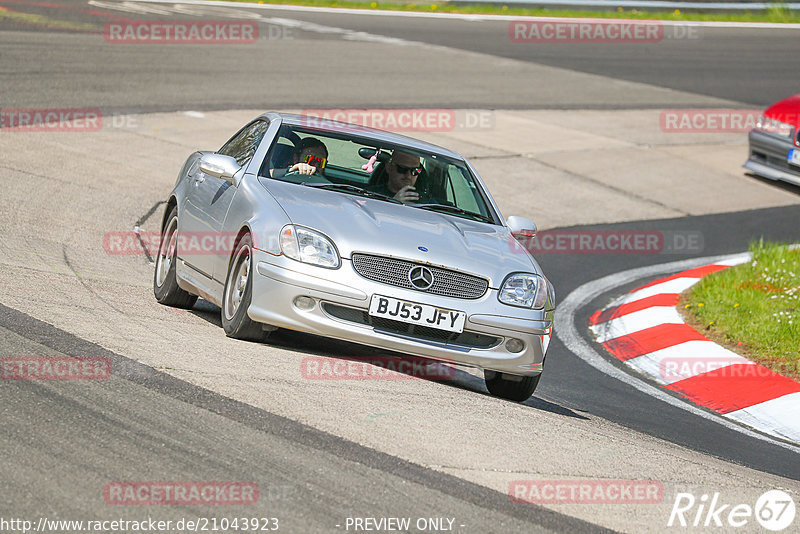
x,y
223,167
521,227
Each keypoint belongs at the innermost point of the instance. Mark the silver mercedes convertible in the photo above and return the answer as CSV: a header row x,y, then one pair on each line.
x,y
360,235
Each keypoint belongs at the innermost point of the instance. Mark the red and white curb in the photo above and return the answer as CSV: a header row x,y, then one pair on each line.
x,y
644,330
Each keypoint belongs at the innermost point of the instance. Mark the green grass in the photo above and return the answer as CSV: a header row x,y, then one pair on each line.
x,y
776,13
753,308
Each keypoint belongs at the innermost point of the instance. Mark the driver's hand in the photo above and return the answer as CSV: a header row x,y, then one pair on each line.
x,y
407,194
302,168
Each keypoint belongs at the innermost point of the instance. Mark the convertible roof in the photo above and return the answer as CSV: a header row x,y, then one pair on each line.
x,y
323,125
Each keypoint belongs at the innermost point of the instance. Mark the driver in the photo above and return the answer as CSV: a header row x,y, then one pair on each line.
x,y
402,171
309,150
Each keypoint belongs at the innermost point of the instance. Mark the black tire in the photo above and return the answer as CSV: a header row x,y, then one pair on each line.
x,y
237,295
510,389
165,285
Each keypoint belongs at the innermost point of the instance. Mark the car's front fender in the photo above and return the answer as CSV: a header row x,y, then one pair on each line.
x,y
254,208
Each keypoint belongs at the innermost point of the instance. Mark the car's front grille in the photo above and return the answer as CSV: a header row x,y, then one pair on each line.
x,y
394,272
463,339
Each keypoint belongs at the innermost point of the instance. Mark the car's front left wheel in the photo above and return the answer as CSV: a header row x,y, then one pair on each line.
x,y
238,294
511,387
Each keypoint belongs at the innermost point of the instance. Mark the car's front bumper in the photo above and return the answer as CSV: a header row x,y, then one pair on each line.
x,y
768,157
341,298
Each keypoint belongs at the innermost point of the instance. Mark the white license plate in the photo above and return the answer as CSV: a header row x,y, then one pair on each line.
x,y
794,157
415,313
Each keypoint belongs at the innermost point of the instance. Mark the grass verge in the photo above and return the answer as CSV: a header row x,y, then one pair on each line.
x,y
753,308
776,13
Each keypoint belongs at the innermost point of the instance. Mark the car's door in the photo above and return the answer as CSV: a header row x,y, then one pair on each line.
x,y
208,202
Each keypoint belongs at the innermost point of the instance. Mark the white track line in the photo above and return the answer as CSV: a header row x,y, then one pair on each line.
x,y
775,413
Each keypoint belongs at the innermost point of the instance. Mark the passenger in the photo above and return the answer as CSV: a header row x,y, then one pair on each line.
x,y
401,173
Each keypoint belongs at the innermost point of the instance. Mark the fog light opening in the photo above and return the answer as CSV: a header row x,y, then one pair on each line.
x,y
304,303
515,345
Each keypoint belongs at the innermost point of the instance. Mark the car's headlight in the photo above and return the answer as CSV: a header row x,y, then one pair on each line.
x,y
773,126
308,246
524,290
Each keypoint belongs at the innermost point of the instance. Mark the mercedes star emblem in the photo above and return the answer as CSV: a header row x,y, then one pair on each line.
x,y
420,277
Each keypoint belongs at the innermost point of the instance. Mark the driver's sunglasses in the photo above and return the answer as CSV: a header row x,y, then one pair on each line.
x,y
315,161
402,169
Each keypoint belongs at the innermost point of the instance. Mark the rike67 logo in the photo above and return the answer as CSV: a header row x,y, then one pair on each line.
x,y
774,510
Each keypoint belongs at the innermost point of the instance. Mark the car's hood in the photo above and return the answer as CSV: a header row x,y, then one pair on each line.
x,y
358,224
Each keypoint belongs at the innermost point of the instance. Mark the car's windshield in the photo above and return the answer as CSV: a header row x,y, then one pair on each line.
x,y
365,167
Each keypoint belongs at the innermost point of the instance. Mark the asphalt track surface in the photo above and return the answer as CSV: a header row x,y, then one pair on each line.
x,y
75,439
142,416
747,67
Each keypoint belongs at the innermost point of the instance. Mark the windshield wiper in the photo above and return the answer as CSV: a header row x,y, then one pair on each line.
x,y
347,188
454,209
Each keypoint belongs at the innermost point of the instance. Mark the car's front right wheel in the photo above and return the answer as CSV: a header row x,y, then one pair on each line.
x,y
515,388
238,293
165,283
